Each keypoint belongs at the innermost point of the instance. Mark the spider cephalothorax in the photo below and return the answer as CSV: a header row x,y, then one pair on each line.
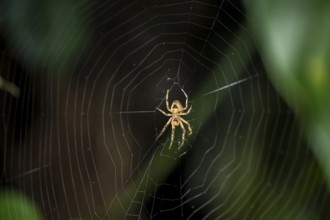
x,y
176,111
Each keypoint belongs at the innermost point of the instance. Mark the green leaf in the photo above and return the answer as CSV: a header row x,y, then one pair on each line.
x,y
294,40
9,87
14,205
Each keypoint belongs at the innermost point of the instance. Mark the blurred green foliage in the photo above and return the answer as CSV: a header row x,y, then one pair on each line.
x,y
16,206
294,40
9,87
44,33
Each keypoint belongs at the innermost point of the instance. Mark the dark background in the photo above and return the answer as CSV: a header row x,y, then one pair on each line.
x,y
77,143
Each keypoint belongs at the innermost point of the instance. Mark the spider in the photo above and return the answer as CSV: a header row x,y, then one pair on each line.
x,y
176,111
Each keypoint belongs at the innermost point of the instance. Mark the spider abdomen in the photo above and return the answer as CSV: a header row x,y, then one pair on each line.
x,y
176,122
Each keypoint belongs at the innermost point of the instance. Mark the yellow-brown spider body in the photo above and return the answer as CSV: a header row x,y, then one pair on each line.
x,y
176,111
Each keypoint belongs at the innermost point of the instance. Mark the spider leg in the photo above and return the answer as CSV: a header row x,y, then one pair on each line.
x,y
167,104
167,114
164,128
186,113
183,134
187,123
172,136
185,94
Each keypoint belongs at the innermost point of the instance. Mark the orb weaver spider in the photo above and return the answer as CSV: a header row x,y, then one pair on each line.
x,y
176,111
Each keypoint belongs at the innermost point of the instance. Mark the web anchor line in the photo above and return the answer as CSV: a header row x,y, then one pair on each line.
x,y
231,84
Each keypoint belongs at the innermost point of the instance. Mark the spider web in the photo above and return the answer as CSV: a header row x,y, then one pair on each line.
x,y
88,148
